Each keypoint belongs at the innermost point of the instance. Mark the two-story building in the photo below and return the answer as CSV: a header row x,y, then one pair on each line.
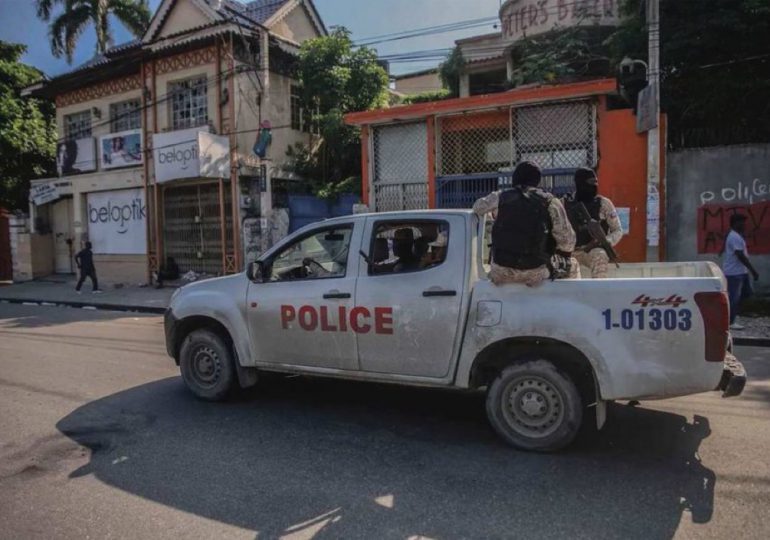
x,y
168,143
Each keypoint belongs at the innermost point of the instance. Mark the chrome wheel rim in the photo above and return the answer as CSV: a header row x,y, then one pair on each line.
x,y
532,406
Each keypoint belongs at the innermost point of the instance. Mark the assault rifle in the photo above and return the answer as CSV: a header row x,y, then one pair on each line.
x,y
584,221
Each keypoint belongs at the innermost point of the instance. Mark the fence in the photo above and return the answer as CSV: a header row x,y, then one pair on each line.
x,y
463,190
476,152
307,209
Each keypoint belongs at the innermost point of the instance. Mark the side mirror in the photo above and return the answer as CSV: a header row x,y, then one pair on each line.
x,y
255,271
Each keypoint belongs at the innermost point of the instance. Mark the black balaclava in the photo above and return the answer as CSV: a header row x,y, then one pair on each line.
x,y
526,173
586,185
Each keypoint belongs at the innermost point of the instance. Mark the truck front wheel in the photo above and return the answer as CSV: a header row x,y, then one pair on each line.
x,y
207,366
535,406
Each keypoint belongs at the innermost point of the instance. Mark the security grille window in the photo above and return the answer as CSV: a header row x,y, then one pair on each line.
x,y
400,180
189,103
399,247
125,116
559,136
296,109
77,126
555,136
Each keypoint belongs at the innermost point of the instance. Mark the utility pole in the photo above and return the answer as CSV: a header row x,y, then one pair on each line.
x,y
653,135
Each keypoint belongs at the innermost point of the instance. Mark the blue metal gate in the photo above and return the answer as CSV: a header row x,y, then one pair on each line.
x,y
461,191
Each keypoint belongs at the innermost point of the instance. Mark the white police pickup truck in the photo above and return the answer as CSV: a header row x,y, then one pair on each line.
x,y
403,298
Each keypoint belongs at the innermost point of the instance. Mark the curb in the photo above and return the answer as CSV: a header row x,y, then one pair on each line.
x,y
751,341
92,305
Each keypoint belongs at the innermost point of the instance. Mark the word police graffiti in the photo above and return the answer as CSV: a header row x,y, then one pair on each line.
x,y
742,192
358,319
520,18
714,224
117,221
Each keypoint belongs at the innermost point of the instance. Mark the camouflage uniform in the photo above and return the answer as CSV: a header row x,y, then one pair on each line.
x,y
597,259
562,233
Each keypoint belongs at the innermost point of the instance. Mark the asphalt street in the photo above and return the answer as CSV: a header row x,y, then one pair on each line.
x,y
99,439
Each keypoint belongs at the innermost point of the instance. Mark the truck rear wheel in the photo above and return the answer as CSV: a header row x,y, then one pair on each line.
x,y
206,364
534,406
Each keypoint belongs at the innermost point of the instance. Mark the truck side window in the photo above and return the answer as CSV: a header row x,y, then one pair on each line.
x,y
322,254
405,246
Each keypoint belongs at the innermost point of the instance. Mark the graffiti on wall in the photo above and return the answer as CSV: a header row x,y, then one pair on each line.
x,y
751,199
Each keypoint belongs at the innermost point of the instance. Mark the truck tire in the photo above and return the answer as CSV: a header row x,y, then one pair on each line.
x,y
535,406
206,364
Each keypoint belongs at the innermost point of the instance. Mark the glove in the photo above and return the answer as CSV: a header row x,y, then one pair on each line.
x,y
560,266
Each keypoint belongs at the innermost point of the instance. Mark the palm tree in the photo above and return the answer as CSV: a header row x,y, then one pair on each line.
x,y
67,27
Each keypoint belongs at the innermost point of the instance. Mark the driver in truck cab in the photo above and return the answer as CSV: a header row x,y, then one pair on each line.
x,y
532,238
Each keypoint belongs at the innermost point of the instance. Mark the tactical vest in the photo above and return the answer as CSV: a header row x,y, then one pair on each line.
x,y
521,235
594,209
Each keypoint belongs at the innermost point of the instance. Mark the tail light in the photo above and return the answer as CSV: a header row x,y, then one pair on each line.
x,y
715,311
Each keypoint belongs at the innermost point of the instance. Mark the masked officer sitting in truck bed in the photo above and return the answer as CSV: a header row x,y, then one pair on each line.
x,y
587,251
530,233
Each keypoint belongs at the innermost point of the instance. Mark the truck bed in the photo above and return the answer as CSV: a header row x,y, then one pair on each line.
x,y
702,269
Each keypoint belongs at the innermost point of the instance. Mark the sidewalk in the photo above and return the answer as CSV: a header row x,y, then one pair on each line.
x,y
129,298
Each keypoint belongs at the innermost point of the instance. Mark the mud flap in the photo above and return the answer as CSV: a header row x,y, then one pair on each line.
x,y
601,414
733,377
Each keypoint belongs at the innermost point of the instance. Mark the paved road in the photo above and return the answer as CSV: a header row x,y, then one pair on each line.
x,y
99,439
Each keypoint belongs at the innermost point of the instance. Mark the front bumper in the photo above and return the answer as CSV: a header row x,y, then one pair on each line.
x,y
733,377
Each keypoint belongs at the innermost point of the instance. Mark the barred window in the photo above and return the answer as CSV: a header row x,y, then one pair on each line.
x,y
301,117
77,126
189,103
125,115
296,108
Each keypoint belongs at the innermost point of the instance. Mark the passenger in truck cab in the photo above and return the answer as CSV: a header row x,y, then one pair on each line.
x,y
403,248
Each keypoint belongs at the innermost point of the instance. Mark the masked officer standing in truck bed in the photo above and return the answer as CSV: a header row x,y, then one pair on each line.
x,y
531,231
587,251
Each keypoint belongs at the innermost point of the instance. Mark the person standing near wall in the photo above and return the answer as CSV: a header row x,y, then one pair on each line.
x,y
85,261
736,267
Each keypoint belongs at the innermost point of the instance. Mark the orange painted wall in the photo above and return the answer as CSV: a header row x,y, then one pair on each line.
x,y
622,174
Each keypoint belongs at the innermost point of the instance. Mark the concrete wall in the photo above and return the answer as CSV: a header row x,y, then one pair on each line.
x,y
30,252
296,25
707,185
424,82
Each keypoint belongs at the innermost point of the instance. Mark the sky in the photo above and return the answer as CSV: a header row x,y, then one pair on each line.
x,y
365,18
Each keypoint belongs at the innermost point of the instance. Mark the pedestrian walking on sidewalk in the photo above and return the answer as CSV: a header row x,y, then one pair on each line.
x,y
85,261
736,266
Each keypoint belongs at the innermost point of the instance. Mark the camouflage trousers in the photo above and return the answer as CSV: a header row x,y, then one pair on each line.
x,y
596,260
532,278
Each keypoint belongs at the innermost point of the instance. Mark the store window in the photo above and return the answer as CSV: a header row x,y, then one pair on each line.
x,y
189,103
77,126
125,116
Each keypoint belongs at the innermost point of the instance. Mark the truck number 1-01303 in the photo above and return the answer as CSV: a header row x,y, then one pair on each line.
x,y
653,319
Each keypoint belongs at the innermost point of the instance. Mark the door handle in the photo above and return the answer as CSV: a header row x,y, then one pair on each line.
x,y
439,292
336,295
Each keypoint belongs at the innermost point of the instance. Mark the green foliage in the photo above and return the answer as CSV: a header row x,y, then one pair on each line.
x,y
27,130
336,79
561,55
449,71
715,68
423,97
66,27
